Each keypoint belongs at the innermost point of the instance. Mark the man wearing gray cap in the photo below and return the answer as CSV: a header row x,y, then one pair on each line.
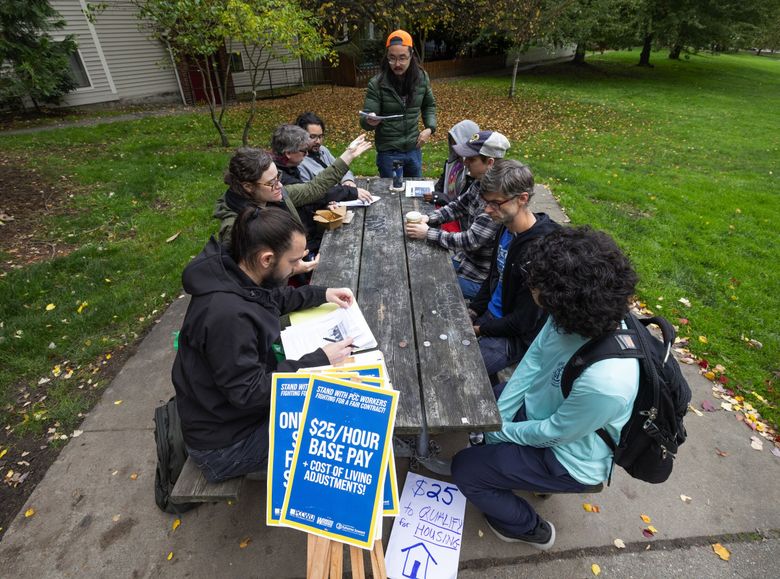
x,y
473,245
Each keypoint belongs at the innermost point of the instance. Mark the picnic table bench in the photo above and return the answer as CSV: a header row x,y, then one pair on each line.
x,y
409,294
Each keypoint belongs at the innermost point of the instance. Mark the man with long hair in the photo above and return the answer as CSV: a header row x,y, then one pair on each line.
x,y
402,90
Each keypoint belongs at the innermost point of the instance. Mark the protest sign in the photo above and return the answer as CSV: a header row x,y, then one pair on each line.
x,y
426,536
288,393
339,466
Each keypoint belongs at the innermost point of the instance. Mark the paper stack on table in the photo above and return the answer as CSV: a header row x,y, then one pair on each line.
x,y
419,188
359,203
316,327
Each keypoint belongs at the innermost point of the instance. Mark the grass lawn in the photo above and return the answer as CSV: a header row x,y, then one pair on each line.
x,y
680,163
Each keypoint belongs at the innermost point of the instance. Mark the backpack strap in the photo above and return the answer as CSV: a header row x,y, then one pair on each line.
x,y
617,344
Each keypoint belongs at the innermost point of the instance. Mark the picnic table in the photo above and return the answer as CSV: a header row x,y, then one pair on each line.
x,y
409,295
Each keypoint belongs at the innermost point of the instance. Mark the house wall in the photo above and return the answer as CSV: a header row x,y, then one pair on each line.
x,y
102,89
121,61
140,67
280,73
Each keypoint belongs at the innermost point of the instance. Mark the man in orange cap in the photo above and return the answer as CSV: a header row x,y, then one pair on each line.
x,y
401,90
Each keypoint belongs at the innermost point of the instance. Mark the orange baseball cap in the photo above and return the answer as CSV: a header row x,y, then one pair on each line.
x,y
399,37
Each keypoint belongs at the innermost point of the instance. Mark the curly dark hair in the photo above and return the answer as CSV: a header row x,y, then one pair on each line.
x,y
583,280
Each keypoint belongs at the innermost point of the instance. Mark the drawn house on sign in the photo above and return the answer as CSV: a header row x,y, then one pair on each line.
x,y
417,558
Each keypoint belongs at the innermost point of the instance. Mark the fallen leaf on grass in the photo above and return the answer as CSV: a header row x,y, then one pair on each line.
x,y
29,513
721,551
175,524
756,443
81,307
645,518
3,452
173,237
50,307
685,498
619,543
685,302
245,543
703,339
595,569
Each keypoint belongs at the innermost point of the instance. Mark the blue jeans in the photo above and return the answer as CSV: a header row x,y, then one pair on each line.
x,y
412,162
494,349
468,288
244,457
487,474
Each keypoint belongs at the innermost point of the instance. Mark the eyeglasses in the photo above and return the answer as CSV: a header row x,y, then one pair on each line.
x,y
398,59
497,204
273,183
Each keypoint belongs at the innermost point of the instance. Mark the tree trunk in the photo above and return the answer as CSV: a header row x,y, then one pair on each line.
x,y
674,53
212,100
758,51
579,54
514,77
644,57
249,120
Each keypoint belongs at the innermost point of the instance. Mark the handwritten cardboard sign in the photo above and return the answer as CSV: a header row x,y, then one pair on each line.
x,y
426,536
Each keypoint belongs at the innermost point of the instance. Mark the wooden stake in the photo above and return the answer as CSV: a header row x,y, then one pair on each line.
x,y
378,568
336,559
320,560
356,560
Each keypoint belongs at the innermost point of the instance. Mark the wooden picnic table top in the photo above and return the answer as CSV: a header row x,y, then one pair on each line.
x,y
409,295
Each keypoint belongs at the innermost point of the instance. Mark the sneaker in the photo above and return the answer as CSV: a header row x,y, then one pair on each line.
x,y
542,537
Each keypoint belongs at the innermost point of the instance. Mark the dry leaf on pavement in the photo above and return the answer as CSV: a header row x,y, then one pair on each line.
x,y
175,524
721,551
245,543
619,543
645,518
595,569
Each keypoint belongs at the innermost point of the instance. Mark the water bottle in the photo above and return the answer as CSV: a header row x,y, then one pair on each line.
x,y
398,175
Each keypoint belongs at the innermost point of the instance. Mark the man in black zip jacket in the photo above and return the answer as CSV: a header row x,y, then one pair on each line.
x,y
506,318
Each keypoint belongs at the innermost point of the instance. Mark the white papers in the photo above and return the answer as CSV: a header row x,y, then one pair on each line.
x,y
379,117
419,188
315,328
359,203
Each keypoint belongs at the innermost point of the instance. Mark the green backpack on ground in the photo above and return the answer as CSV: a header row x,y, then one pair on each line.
x,y
171,456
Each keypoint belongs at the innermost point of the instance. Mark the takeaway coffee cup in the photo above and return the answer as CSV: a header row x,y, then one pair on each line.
x,y
414,217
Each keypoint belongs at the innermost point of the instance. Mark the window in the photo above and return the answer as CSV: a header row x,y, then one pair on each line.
x,y
78,71
236,62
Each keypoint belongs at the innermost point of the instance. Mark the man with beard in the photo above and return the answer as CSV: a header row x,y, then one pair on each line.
x,y
506,317
225,360
320,158
402,90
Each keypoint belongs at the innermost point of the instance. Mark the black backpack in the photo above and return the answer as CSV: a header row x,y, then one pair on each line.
x,y
171,456
654,431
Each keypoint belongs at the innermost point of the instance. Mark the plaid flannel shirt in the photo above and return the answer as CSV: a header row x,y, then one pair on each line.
x,y
473,246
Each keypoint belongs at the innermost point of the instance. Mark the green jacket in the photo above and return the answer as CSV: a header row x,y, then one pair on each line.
x,y
296,195
399,134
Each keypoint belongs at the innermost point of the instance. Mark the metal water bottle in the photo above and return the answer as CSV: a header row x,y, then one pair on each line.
x,y
398,175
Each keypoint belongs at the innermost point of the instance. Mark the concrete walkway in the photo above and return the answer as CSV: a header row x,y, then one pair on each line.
x,y
94,518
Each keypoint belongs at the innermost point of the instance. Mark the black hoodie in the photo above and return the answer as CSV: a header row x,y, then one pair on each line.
x,y
222,372
522,318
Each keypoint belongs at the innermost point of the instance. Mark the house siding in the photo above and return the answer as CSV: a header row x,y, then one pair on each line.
x,y
281,73
77,25
140,66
